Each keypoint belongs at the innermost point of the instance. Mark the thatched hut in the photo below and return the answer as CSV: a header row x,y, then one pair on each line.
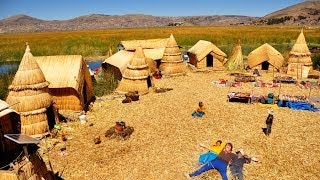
x,y
132,45
264,56
30,89
205,54
9,124
116,64
235,61
171,62
300,52
70,81
136,77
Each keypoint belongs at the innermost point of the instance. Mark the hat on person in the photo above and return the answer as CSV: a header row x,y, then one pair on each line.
x,y
270,111
241,151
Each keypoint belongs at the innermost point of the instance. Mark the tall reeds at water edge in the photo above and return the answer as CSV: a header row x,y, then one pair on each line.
x,y
91,43
5,81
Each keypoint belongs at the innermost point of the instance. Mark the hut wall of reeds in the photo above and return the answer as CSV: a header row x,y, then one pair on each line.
x,y
70,80
29,89
300,52
235,61
298,70
32,167
136,76
263,56
171,62
205,54
9,124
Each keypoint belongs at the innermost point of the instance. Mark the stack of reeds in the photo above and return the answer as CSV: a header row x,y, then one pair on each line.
x,y
171,62
29,89
235,62
135,76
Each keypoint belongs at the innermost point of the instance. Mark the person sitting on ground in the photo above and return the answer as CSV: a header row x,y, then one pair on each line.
x,y
237,162
199,112
219,163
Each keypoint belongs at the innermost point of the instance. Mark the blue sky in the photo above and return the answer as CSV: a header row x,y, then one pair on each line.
x,y
67,9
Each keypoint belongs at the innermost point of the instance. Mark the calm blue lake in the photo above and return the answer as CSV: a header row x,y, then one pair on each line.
x,y
6,67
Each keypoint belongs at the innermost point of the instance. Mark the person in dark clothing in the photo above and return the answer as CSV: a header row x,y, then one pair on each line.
x,y
237,162
269,121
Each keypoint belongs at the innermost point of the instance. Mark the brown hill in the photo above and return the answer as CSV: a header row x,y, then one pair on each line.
x,y
24,23
305,13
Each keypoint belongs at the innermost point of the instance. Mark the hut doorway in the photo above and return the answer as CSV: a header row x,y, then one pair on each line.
x,y
209,60
84,91
51,117
149,81
265,65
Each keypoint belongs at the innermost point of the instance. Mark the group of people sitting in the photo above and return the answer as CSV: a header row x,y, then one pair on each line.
x,y
219,157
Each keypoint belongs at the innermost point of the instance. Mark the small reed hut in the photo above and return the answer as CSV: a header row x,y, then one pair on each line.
x,y
136,77
235,61
300,52
171,62
205,54
299,62
70,80
117,64
9,124
29,89
264,56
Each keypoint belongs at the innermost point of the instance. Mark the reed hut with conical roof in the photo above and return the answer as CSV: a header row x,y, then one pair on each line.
x,y
300,52
136,76
171,62
235,61
263,56
205,54
30,89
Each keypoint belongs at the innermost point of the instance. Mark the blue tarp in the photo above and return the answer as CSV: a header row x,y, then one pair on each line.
x,y
297,105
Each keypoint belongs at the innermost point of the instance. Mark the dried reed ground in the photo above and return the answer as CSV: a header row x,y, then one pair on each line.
x,y
165,143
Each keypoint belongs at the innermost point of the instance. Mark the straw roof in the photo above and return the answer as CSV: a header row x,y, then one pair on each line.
x,y
235,62
137,69
154,54
171,62
265,53
145,44
65,71
202,48
300,48
29,86
4,110
120,59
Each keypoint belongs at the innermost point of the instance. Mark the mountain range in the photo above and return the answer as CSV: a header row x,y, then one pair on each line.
x,y
305,13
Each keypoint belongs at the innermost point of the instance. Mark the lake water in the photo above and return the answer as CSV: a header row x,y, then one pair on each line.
x,y
6,67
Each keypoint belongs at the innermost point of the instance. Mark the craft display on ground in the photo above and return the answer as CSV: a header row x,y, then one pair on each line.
x,y
245,78
226,83
284,79
239,97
